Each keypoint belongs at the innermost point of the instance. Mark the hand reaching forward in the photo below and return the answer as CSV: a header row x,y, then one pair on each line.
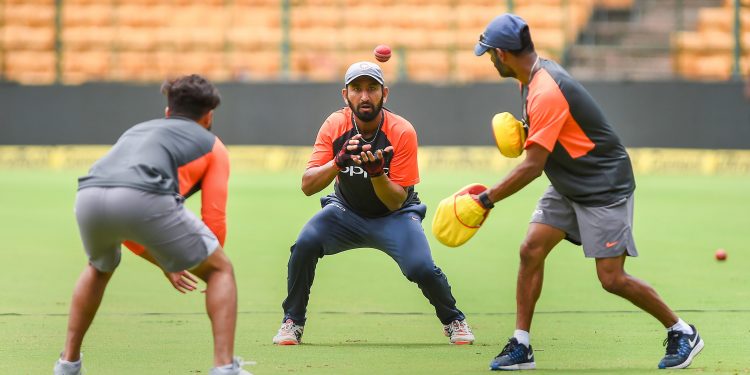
x,y
183,281
373,163
349,151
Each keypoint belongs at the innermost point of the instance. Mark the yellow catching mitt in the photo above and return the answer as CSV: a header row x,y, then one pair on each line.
x,y
510,134
459,216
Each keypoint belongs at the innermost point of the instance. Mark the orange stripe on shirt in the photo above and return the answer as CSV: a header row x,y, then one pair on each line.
x,y
212,172
404,169
550,120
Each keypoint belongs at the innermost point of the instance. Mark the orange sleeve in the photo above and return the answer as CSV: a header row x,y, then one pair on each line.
x,y
548,110
404,169
135,247
323,148
214,187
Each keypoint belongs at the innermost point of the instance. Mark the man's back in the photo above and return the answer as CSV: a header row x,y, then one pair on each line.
x,y
149,155
587,161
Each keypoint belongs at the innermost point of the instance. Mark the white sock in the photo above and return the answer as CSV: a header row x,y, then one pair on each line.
x,y
523,337
682,327
226,367
69,363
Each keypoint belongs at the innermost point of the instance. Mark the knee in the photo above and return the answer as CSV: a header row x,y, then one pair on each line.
x,y
217,264
308,245
97,273
613,283
531,254
422,272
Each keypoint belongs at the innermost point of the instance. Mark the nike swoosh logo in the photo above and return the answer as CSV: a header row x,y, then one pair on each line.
x,y
693,341
610,244
530,356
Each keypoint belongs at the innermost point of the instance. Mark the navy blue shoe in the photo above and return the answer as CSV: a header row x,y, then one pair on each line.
x,y
515,356
681,349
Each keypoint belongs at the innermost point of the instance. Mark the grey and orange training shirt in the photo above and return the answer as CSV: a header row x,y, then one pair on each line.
x,y
587,162
173,155
353,185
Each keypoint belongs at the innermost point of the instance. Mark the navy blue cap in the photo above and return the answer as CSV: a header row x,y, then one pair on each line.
x,y
503,32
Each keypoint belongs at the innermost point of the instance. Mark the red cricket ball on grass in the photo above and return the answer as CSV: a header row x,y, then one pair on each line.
x,y
382,53
720,254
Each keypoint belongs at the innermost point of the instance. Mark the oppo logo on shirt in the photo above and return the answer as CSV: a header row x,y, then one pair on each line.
x,y
356,171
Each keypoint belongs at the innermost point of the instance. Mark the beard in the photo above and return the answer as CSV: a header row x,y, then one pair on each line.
x,y
504,70
367,116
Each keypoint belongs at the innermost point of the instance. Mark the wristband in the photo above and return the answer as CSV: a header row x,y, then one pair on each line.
x,y
484,198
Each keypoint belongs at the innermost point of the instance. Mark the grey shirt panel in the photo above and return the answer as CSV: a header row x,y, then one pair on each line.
x,y
148,155
603,175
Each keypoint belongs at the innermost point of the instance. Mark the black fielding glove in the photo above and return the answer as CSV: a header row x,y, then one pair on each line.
x,y
375,167
344,158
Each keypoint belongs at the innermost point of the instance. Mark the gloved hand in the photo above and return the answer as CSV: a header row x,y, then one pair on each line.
x,y
352,147
373,163
510,134
459,216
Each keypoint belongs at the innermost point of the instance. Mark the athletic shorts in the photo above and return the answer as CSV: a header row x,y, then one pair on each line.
x,y
176,238
604,232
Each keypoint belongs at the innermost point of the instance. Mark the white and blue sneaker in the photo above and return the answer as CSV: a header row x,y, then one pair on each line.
x,y
68,368
681,349
234,369
515,356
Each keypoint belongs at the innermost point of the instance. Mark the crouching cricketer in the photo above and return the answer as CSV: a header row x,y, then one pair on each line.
x,y
372,154
135,194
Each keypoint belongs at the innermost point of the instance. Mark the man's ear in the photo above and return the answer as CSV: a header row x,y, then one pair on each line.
x,y
344,91
385,94
207,120
501,55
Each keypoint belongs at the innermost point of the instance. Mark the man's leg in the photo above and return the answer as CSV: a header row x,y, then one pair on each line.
x,y
683,341
615,280
87,296
333,229
221,303
540,240
324,234
402,237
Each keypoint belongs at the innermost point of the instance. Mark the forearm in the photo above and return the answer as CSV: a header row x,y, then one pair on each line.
x,y
390,193
316,179
516,180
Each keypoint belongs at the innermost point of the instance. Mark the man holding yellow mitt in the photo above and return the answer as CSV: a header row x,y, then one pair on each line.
x,y
589,202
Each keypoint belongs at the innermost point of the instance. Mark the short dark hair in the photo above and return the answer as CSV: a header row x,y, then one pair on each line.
x,y
191,96
527,45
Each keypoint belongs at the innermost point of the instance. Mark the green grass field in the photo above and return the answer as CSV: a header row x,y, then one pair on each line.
x,y
364,316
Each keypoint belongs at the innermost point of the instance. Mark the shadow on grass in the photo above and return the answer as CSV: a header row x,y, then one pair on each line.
x,y
367,344
595,371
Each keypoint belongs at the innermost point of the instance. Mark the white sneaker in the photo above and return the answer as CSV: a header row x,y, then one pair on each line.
x,y
68,368
289,334
459,332
236,369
